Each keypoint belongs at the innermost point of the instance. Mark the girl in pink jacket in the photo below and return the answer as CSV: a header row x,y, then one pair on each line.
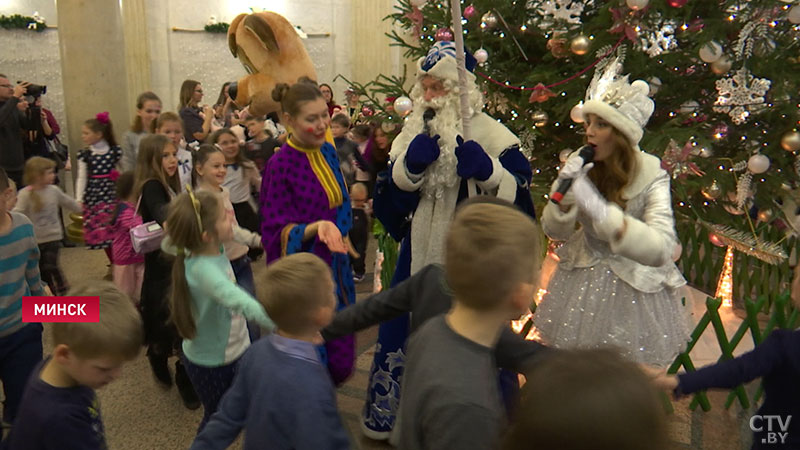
x,y
128,266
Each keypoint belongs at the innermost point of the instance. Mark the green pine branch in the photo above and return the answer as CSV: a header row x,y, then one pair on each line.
x,y
17,21
220,27
684,78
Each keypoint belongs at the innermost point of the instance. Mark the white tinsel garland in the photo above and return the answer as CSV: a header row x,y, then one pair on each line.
x,y
743,189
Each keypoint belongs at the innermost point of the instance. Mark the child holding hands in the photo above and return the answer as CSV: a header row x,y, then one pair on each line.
x,y
776,361
40,201
282,394
207,306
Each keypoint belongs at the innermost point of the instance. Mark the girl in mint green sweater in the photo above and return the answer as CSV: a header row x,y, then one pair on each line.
x,y
208,307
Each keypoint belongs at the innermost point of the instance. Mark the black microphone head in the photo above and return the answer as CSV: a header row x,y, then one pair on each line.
x,y
586,153
429,114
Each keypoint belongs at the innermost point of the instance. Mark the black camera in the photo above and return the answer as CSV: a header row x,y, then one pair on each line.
x,y
34,90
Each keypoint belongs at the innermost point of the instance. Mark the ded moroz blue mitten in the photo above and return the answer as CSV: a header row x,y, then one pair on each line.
x,y
422,151
473,162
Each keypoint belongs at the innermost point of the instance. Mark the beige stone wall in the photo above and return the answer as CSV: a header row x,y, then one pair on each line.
x,y
93,64
137,51
103,60
372,54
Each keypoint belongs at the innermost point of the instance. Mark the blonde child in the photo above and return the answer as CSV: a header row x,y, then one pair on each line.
x,y
95,184
208,307
209,173
128,268
491,263
282,394
59,406
156,184
148,107
170,125
242,178
40,201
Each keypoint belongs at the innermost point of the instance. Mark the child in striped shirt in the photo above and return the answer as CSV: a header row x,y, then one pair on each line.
x,y
19,276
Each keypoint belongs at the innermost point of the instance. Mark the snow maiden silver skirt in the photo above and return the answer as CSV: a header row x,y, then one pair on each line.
x,y
593,308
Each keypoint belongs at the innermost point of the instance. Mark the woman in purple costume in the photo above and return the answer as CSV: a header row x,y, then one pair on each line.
x,y
305,206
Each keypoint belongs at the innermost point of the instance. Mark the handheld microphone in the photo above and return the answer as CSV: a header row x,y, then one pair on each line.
x,y
427,116
587,154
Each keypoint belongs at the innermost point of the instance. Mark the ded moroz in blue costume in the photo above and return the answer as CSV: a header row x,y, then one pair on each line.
x,y
416,198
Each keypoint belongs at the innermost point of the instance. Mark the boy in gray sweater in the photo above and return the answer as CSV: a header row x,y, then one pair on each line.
x,y
450,394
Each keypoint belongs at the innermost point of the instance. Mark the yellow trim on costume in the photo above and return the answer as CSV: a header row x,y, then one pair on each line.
x,y
285,237
329,137
323,172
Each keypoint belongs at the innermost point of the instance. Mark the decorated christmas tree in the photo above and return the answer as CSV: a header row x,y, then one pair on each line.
x,y
723,74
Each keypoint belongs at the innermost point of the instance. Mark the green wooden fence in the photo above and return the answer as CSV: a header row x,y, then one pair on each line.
x,y
757,327
701,264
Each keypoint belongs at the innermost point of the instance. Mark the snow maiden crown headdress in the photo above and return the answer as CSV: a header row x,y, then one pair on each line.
x,y
441,62
624,105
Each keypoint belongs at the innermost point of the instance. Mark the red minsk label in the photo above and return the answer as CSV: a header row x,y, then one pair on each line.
x,y
61,309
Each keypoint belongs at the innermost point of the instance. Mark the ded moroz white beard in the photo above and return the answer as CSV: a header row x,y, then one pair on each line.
x,y
440,175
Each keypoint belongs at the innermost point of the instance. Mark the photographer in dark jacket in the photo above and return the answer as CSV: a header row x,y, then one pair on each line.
x,y
12,126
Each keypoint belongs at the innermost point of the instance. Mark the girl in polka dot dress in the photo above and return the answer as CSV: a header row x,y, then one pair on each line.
x,y
96,181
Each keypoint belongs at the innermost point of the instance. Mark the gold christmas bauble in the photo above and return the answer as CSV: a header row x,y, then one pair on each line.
x,y
580,45
791,141
721,66
712,192
540,118
488,21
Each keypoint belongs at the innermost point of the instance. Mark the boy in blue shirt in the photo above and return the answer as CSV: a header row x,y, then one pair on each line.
x,y
282,394
59,408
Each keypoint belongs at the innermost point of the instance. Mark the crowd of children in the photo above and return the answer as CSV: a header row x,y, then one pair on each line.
x,y
195,297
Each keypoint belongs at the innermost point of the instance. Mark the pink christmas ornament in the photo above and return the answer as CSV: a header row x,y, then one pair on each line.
x,y
444,34
470,11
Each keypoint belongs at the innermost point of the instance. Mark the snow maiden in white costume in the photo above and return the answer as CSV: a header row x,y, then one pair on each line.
x,y
616,283
429,175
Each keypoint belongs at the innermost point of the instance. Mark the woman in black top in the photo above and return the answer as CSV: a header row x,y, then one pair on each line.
x,y
196,119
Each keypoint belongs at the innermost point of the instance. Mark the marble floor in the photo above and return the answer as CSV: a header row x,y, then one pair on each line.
x,y
140,415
